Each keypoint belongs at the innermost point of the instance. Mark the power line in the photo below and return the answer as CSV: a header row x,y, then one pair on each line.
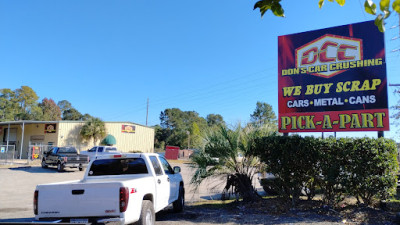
x,y
205,93
396,37
230,102
362,8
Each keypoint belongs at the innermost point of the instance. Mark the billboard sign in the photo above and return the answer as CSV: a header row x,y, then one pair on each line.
x,y
333,79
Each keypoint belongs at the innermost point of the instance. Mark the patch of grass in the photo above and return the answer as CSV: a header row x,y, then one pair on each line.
x,y
270,197
392,205
271,204
394,200
214,204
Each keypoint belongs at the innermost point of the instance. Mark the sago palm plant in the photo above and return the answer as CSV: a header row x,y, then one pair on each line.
x,y
229,153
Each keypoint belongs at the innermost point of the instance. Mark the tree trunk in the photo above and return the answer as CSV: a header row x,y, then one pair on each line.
x,y
245,188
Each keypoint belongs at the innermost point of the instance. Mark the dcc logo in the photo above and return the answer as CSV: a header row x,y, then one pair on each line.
x,y
325,56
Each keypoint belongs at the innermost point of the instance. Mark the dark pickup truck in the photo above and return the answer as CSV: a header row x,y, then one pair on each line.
x,y
64,157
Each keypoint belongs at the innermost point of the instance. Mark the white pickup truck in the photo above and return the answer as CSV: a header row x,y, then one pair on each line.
x,y
117,189
97,151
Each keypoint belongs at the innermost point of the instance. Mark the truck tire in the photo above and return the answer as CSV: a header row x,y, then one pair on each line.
x,y
44,165
60,167
179,204
147,215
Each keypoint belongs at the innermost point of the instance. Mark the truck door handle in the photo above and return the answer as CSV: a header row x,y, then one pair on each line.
x,y
78,192
159,181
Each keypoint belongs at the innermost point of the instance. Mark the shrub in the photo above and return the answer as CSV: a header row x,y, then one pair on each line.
x,y
333,158
270,185
292,160
363,167
373,169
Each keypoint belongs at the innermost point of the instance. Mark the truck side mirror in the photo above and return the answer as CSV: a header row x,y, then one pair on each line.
x,y
177,169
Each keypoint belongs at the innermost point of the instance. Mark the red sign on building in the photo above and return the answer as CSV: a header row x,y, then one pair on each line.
x,y
50,128
128,129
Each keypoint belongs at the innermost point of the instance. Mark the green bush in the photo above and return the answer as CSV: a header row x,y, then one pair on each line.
x,y
292,160
373,169
270,185
363,167
333,158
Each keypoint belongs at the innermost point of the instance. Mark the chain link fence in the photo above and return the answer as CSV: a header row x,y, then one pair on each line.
x,y
7,154
36,151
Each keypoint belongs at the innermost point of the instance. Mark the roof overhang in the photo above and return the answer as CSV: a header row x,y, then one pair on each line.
x,y
20,122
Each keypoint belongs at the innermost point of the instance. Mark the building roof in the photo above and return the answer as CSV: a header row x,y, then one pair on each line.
x,y
20,122
26,122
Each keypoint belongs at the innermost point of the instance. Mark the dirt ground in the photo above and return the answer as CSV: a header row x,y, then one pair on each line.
x,y
206,215
265,212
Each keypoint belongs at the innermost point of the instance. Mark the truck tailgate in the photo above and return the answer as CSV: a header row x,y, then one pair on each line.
x,y
77,159
79,199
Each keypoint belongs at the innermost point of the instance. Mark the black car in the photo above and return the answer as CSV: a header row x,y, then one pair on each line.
x,y
64,157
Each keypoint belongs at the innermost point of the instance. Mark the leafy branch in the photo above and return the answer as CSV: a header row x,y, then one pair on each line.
x,y
369,6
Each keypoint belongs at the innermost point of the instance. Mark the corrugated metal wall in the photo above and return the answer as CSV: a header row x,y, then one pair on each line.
x,y
68,135
141,140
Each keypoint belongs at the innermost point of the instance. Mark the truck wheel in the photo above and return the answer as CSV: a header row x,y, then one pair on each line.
x,y
147,215
60,167
180,202
44,165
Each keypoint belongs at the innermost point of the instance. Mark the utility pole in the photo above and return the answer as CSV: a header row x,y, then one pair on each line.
x,y
188,133
380,133
147,111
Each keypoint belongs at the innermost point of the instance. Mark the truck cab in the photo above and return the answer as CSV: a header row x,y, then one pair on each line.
x,y
96,151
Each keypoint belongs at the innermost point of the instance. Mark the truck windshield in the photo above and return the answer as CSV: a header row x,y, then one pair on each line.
x,y
111,149
103,167
67,150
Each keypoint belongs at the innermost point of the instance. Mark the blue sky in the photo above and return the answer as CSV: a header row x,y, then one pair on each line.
x,y
108,57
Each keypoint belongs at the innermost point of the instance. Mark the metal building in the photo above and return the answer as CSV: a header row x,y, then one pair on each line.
x,y
28,139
